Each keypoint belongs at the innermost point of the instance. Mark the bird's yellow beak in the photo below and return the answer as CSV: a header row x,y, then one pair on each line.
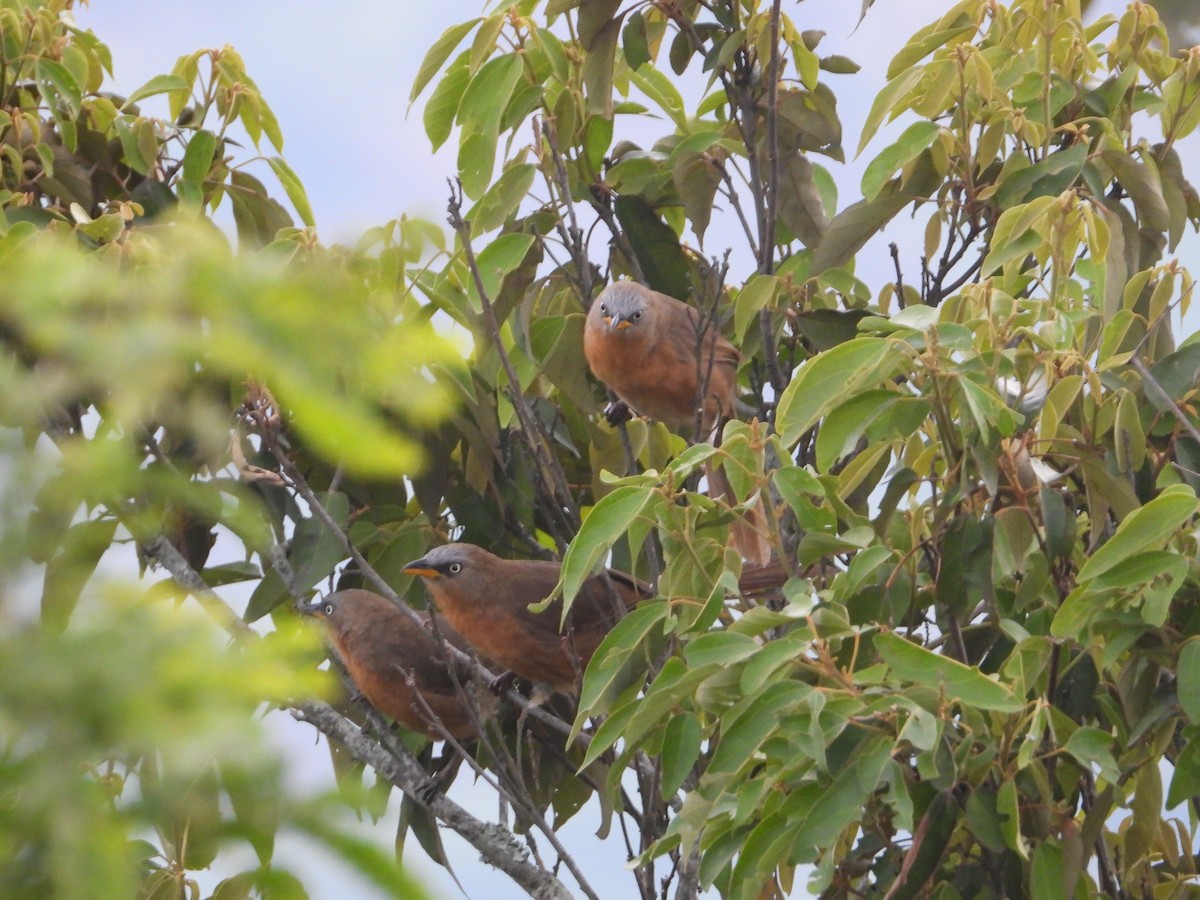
x,y
616,323
422,568
314,608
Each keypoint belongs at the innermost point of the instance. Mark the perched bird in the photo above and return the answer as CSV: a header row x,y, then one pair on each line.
x,y
487,600
659,356
397,664
646,347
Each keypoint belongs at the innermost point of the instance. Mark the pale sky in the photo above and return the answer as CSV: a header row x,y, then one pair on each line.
x,y
338,78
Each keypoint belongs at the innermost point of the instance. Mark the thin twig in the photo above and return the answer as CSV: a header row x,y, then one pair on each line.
x,y
164,552
1157,389
495,843
766,262
572,235
560,510
894,248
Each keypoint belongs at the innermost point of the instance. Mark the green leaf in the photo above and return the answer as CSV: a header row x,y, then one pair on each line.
x,y
258,217
315,549
1178,374
476,161
847,423
502,199
598,68
681,749
757,294
159,84
486,97
855,225
927,40
661,89
436,55
826,328
443,103
722,648
754,722
886,102
501,257
912,662
635,42
607,521
70,569
1185,783
1047,875
1092,745
841,802
984,821
1009,811
105,228
1188,679
659,254
829,379
908,147
197,159
55,80
294,189
1143,185
801,208
1146,528
604,677
1046,178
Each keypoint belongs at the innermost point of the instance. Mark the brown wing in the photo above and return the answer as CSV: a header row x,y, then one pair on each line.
x,y
603,600
382,651
680,336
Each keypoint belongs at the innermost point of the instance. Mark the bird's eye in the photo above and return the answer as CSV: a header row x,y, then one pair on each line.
x,y
454,568
329,609
603,307
638,314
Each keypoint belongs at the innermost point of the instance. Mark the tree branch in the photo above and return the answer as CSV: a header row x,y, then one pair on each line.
x,y
496,844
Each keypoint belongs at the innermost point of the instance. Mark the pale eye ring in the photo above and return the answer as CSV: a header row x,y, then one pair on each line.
x,y
454,568
604,307
329,609
638,314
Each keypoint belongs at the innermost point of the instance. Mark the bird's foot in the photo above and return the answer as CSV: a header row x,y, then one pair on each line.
x,y
502,682
617,412
430,789
444,770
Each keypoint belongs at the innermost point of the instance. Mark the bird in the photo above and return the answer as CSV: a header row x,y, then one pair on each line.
x,y
659,356
397,664
645,346
487,600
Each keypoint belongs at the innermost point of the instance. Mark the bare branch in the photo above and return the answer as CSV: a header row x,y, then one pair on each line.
x,y
163,551
495,843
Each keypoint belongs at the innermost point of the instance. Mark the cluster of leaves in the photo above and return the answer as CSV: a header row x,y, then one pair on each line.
x,y
134,342
1001,471
73,153
133,368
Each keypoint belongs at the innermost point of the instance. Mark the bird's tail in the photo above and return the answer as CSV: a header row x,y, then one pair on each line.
x,y
748,532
